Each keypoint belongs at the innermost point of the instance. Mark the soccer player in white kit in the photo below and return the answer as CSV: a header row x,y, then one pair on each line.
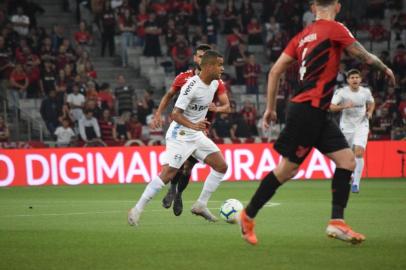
x,y
356,105
185,137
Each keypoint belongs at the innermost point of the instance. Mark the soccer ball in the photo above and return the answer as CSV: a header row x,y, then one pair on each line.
x,y
230,210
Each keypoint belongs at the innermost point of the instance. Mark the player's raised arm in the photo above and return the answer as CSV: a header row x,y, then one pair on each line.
x,y
157,121
281,65
358,51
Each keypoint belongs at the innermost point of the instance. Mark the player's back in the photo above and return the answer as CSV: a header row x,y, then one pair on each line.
x,y
318,50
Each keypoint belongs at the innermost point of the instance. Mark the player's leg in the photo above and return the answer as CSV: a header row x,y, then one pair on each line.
x,y
184,176
176,154
294,144
360,142
359,167
170,195
218,169
152,189
333,143
208,151
269,184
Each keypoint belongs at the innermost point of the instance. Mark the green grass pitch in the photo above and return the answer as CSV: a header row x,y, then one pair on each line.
x,y
85,227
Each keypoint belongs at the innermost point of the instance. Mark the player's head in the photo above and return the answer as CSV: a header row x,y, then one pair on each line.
x,y
327,5
354,78
198,54
212,64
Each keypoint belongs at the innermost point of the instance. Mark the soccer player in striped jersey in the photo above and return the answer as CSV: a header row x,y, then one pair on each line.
x,y
317,50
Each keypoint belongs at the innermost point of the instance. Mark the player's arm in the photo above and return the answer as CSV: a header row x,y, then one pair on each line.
x,y
224,105
281,65
157,121
370,109
340,107
177,116
358,51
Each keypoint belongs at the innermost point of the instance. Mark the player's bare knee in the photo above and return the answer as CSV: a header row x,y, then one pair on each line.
x,y
221,168
349,163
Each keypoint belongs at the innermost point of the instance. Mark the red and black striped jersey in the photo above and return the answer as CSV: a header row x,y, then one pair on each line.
x,y
318,50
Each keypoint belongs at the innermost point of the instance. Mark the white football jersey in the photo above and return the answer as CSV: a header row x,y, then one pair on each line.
x,y
355,117
194,99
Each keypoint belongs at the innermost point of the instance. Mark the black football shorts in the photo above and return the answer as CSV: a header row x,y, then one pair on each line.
x,y
308,127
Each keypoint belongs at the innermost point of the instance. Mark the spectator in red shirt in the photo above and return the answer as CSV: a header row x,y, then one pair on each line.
x,y
254,30
252,70
83,37
106,126
34,77
233,42
249,114
105,98
230,16
135,127
18,85
126,24
141,19
378,32
181,54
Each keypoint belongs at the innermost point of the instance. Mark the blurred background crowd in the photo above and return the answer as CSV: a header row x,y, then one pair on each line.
x,y
78,73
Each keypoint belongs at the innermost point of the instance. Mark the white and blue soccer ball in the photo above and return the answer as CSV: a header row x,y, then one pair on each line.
x,y
230,210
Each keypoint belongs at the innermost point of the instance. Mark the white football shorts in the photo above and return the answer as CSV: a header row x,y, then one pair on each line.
x,y
357,137
177,152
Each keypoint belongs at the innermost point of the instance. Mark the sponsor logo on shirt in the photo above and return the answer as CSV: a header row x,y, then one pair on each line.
x,y
189,88
196,107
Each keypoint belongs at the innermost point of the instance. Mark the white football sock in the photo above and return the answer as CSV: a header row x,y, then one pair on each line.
x,y
150,191
359,167
210,185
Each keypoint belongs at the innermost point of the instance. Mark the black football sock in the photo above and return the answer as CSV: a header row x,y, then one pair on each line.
x,y
175,180
340,187
183,182
263,194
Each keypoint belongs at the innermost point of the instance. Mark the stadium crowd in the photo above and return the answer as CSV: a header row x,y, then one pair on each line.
x,y
78,106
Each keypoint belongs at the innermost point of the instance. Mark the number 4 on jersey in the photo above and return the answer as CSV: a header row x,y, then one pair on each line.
x,y
303,69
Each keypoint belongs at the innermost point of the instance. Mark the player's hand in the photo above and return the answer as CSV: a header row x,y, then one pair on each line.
x,y
156,121
201,125
212,107
391,76
369,115
269,116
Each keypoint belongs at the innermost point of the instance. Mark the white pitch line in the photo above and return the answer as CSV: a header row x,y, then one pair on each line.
x,y
101,212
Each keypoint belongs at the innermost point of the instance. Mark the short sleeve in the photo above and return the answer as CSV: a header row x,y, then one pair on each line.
x,y
370,98
337,97
185,96
343,36
291,49
221,89
179,81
